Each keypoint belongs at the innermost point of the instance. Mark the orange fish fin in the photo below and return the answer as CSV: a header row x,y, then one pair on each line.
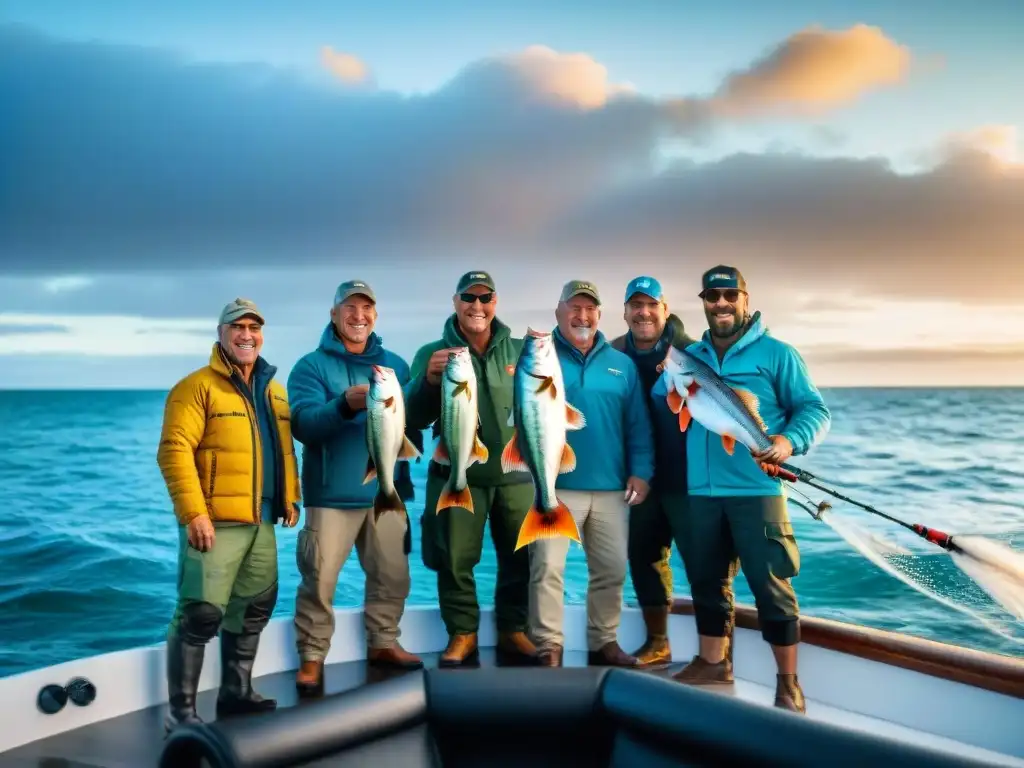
x,y
371,470
729,443
408,450
390,403
441,453
749,399
684,418
511,458
548,383
675,400
547,525
568,462
574,418
387,503
450,498
460,388
692,388
479,452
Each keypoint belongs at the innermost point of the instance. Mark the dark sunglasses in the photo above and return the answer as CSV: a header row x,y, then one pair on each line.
x,y
712,295
469,298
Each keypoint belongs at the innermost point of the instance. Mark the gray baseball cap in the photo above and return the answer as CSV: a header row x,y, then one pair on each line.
x,y
353,288
580,287
238,309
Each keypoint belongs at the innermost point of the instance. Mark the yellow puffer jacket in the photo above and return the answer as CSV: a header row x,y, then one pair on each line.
x,y
209,452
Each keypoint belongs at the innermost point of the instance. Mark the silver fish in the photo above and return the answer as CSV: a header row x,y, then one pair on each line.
x,y
386,440
696,391
541,417
460,446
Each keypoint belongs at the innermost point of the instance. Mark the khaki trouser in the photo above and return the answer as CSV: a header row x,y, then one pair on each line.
x,y
603,521
323,546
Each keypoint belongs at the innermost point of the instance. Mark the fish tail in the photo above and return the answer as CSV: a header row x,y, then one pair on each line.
x,y
387,501
452,498
547,525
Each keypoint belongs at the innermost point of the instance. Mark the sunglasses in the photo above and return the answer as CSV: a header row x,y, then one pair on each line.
x,y
469,298
712,295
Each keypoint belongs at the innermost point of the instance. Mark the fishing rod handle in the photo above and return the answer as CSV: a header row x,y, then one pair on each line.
x,y
776,470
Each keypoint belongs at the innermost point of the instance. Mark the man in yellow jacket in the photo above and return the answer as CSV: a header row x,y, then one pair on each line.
x,y
227,457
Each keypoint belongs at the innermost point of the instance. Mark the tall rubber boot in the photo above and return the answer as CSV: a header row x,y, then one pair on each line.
x,y
184,666
237,656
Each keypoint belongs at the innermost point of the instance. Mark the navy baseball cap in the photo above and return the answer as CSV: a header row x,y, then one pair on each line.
x,y
722,277
648,286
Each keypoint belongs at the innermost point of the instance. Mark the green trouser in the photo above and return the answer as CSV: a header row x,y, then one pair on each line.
x,y
233,585
452,542
718,535
650,548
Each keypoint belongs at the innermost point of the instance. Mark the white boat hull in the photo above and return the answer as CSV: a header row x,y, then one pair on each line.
x,y
841,688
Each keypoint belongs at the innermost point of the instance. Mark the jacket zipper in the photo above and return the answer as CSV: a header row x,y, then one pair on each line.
x,y
250,407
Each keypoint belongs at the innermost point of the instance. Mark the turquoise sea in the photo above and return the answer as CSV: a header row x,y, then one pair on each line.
x,y
87,538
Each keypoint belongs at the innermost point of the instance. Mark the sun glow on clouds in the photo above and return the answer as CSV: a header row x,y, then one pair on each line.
x,y
103,335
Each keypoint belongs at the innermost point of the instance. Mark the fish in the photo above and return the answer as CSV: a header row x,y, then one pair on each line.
x,y
540,418
459,446
386,441
696,392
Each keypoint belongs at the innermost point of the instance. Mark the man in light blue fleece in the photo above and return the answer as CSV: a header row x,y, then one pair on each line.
x,y
327,391
737,514
614,466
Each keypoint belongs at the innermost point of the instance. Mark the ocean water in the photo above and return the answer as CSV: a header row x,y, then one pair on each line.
x,y
87,537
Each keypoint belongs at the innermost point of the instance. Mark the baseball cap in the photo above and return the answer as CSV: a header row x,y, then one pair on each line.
x,y
722,277
476,277
351,288
648,286
577,287
238,309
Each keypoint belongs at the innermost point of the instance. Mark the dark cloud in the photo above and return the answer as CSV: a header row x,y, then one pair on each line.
x,y
845,224
125,157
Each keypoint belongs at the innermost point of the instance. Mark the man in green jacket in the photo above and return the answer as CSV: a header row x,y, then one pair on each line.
x,y
452,540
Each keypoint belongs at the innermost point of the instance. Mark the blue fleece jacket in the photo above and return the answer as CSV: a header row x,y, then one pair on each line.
x,y
333,437
617,442
789,403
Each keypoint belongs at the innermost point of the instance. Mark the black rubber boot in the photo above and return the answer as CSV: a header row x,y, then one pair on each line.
x,y
237,697
184,666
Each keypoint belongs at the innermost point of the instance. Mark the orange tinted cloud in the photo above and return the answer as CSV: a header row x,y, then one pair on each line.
x,y
815,69
344,66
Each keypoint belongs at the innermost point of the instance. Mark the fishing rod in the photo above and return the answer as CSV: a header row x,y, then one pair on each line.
x,y
795,474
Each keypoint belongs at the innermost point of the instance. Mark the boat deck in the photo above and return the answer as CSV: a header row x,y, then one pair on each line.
x,y
135,740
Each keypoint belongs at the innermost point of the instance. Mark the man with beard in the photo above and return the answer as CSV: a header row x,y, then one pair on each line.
x,y
227,457
614,465
452,541
737,513
651,331
328,390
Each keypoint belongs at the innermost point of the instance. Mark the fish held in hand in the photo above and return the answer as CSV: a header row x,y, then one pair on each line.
x,y
696,392
386,440
541,417
459,446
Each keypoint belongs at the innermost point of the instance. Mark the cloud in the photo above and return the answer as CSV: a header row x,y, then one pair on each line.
x,y
346,67
824,224
125,158
815,70
103,335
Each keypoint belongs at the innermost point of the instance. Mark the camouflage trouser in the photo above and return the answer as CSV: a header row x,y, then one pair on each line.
x,y
716,537
650,548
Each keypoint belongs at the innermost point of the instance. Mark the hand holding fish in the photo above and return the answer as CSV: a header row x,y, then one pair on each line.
x,y
636,491
780,450
355,396
436,365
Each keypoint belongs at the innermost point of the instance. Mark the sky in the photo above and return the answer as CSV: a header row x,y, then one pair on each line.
x,y
862,163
